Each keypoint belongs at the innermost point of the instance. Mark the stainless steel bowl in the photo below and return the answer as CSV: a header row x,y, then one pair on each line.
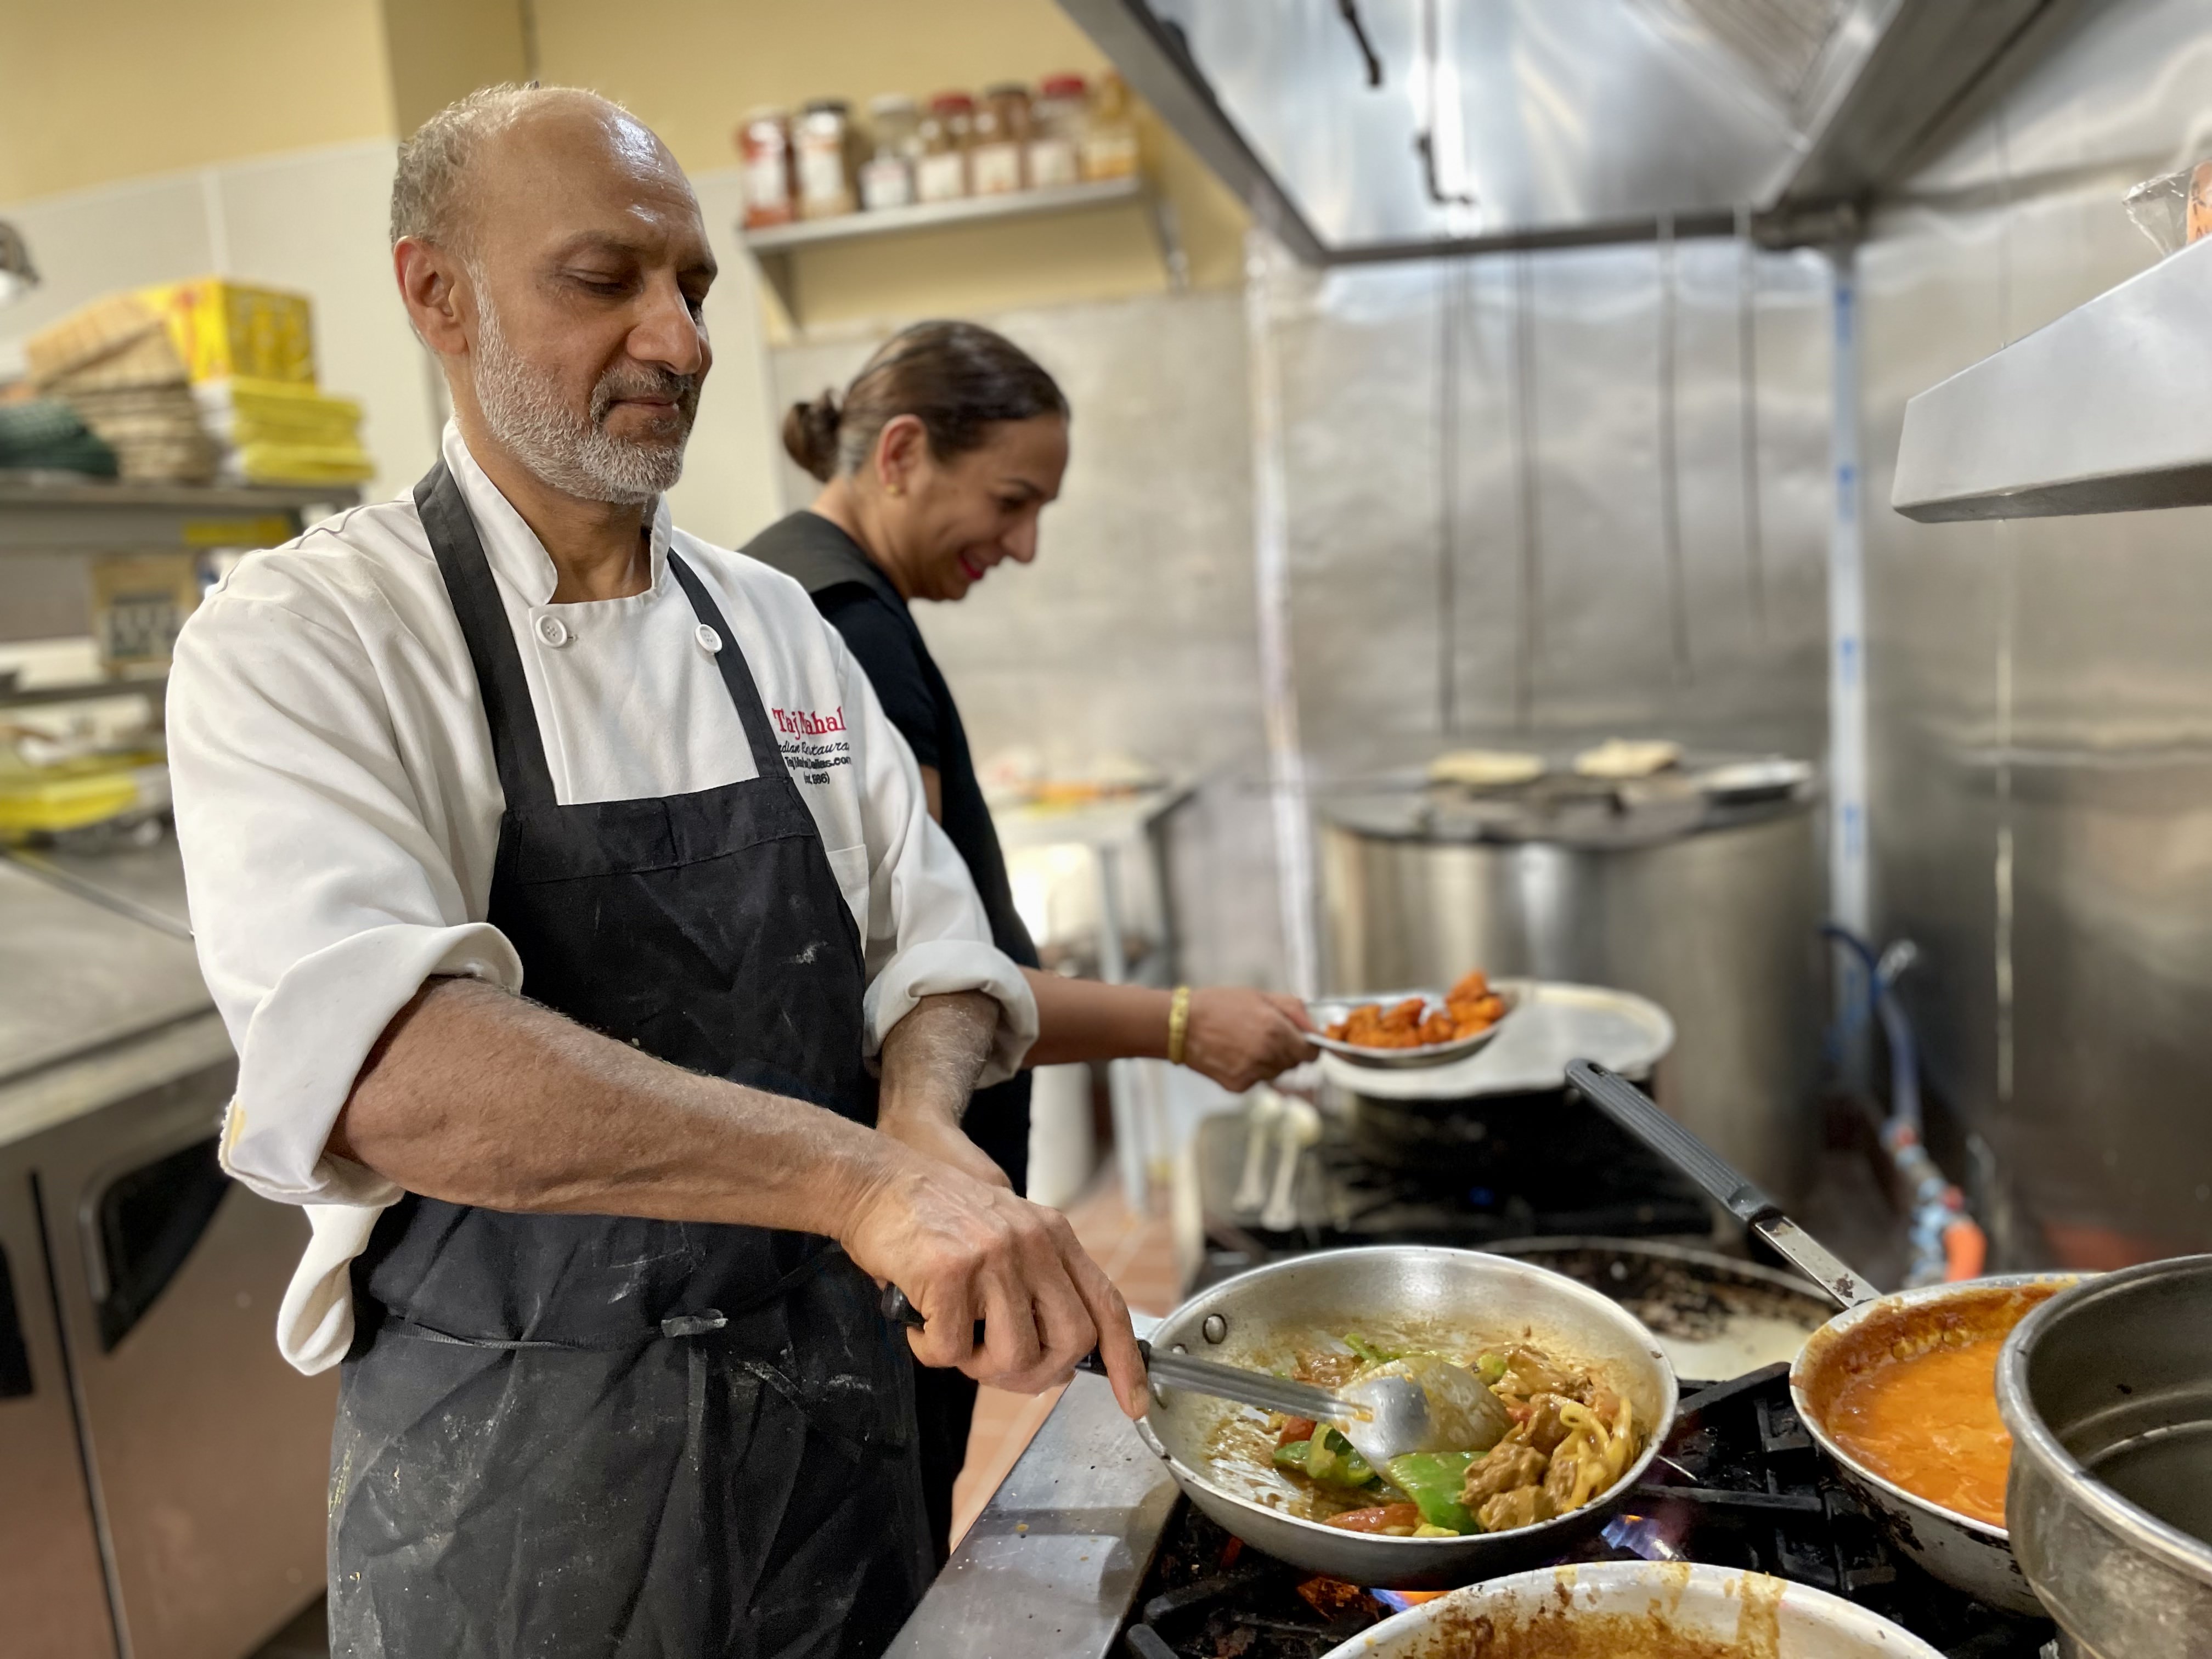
x,y
1406,1293
1328,1011
1972,1555
2108,1392
1580,1611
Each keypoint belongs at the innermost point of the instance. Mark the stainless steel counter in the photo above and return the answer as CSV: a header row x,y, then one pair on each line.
x,y
78,975
1052,1565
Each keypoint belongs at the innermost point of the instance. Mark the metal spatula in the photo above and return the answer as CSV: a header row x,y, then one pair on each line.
x,y
1382,1416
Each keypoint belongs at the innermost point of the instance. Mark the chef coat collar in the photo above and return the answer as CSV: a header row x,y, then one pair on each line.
x,y
826,557
516,555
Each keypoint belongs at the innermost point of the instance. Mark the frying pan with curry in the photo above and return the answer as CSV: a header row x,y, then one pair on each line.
x,y
1892,1388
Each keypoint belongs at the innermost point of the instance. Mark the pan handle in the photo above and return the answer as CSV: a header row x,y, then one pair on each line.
x,y
900,1311
1633,1110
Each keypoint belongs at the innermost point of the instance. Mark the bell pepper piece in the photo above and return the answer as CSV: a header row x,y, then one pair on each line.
x,y
1434,1480
1298,1428
1367,1351
1328,1458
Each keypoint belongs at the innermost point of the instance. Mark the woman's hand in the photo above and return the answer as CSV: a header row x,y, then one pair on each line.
x,y
1239,1037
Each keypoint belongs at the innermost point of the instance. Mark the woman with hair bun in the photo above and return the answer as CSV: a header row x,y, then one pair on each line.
x,y
935,465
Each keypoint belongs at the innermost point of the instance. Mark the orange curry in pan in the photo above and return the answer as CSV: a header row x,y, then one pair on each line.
x,y
1913,1398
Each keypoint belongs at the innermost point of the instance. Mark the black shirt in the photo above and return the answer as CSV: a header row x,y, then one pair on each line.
x,y
858,601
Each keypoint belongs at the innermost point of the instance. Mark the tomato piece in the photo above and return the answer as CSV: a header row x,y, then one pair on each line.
x,y
1381,1518
1298,1428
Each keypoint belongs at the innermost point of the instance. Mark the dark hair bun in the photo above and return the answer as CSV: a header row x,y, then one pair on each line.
x,y
810,435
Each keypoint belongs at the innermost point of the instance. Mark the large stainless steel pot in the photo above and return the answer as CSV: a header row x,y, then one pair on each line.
x,y
1971,1554
1710,912
1260,1318
2108,1392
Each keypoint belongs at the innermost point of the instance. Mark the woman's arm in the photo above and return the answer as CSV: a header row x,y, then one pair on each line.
x,y
1236,1036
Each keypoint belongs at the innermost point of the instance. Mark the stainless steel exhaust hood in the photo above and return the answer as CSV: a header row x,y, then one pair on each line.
x,y
1363,129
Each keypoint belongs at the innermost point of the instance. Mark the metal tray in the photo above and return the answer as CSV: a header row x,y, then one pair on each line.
x,y
1327,1011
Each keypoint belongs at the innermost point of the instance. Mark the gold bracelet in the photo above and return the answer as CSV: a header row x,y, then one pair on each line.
x,y
1178,1023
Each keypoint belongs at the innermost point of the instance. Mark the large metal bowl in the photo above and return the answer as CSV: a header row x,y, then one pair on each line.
x,y
1414,1294
1970,1554
1587,1612
2107,1390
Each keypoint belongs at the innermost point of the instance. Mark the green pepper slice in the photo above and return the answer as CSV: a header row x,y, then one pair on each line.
x,y
1434,1481
1328,1458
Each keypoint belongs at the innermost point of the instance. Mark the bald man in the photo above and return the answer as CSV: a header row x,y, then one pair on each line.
x,y
562,883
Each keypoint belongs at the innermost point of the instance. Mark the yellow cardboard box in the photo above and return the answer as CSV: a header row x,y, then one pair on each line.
x,y
221,329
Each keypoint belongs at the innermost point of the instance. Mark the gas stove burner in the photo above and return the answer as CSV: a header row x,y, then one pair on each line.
x,y
1587,1179
1740,1485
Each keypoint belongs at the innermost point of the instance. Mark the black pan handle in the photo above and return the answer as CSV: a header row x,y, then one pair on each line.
x,y
900,1311
1633,1110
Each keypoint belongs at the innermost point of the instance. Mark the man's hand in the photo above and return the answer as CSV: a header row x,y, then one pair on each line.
x,y
962,1251
1240,1038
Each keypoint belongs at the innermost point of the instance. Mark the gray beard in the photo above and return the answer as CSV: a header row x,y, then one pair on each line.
x,y
571,452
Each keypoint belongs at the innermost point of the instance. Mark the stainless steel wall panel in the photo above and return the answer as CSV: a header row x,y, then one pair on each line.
x,y
2042,720
1364,387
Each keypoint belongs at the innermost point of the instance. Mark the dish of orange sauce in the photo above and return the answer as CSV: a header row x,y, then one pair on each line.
x,y
1929,1423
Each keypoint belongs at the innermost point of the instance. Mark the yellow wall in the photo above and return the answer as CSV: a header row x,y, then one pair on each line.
x,y
441,50
691,68
96,90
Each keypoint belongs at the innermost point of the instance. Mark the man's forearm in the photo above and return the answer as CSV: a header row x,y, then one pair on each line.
x,y
931,1057
476,1096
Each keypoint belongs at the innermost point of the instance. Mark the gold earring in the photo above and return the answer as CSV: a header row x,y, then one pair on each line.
x,y
897,490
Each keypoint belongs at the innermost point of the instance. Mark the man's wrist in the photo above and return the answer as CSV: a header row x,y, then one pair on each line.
x,y
921,1104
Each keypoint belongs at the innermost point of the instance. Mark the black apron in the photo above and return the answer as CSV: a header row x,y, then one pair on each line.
x,y
570,1436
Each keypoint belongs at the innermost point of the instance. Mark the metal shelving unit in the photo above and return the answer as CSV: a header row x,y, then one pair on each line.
x,y
775,247
43,514
59,513
2107,410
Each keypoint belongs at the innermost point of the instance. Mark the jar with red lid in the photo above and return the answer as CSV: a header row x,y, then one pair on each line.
x,y
1056,122
763,140
822,148
940,172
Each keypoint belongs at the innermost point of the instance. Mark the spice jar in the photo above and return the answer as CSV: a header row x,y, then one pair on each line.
x,y
823,149
763,141
1002,138
1109,136
940,174
894,131
1056,124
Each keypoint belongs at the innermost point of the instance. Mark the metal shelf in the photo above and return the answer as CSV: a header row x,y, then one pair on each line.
x,y
773,245
96,516
2107,410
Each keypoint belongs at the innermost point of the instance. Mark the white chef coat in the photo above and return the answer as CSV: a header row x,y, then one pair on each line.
x,y
338,805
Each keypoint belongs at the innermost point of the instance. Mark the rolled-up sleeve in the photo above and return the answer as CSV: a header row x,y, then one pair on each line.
x,y
927,934
320,897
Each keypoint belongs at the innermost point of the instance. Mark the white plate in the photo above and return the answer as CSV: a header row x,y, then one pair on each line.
x,y
1552,1025
1328,1011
